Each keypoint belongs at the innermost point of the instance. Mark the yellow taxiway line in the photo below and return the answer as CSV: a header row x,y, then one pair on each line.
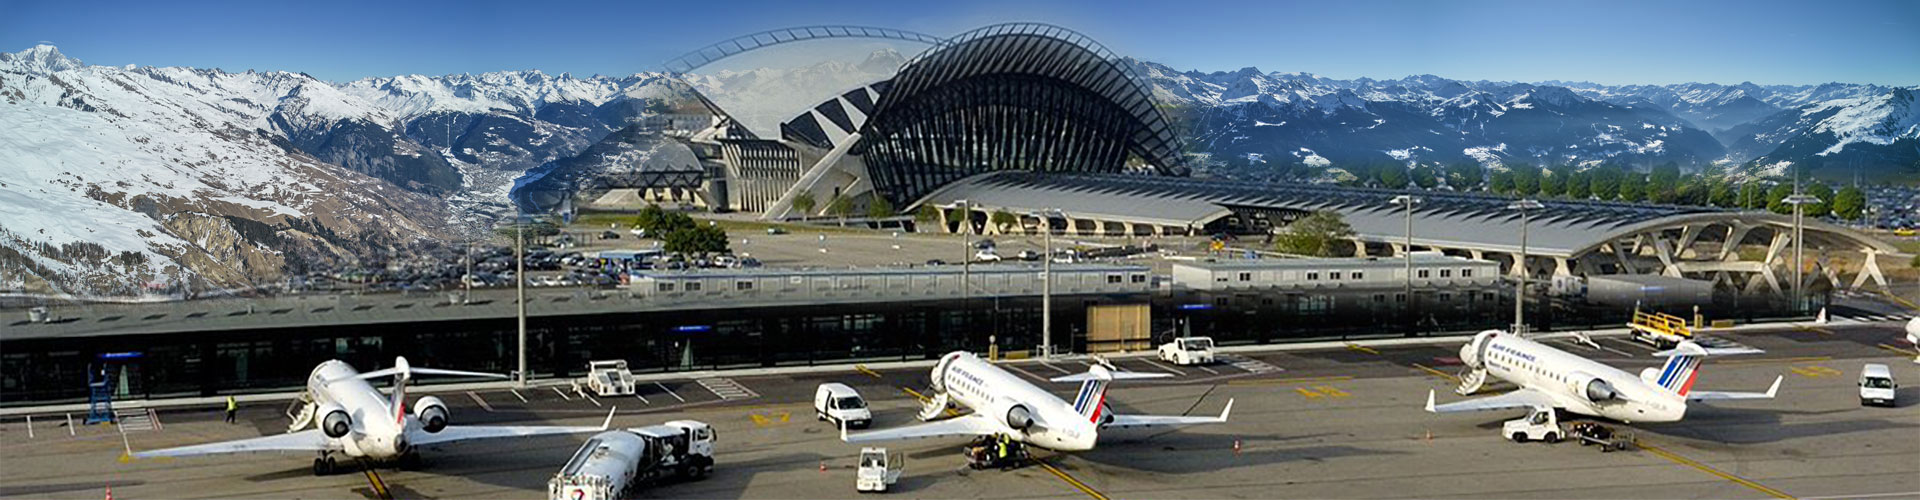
x,y
1710,470
379,487
1071,481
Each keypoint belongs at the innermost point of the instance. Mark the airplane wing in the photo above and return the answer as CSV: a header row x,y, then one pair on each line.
x,y
1524,398
967,425
1144,421
305,441
1719,396
472,432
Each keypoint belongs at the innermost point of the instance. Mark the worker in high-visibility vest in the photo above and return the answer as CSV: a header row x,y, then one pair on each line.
x,y
1004,444
232,406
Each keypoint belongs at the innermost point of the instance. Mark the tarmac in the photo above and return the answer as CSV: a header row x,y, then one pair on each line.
x,y
1339,421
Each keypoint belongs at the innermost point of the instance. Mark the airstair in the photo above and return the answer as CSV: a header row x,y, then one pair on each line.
x,y
1470,381
934,405
304,418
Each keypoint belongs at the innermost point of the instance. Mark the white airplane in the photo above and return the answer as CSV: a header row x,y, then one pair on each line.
x,y
353,418
1004,404
1551,378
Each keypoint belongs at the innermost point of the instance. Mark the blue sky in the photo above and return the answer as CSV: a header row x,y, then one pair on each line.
x,y
1764,41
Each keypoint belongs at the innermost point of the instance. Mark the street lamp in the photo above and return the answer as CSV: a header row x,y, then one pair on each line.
x,y
1798,200
966,257
1046,286
520,292
1520,264
1408,201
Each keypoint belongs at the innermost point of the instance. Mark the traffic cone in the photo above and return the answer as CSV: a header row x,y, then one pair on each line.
x,y
1236,447
823,466
1429,435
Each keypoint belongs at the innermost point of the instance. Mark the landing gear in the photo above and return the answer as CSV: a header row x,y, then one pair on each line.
x,y
325,465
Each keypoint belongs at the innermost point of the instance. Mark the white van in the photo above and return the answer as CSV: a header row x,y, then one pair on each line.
x,y
837,403
1876,385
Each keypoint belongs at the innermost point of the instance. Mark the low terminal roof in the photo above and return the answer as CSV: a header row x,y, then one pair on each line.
x,y
1563,228
1263,264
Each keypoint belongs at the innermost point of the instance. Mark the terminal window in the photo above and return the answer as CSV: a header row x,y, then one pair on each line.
x,y
1113,278
1466,273
1423,273
1139,278
664,286
1333,275
1446,273
742,285
1246,276
693,286
1357,275
1313,276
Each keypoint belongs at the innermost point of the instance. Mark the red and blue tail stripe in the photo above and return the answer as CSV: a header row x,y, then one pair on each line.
x,y
1093,396
1679,373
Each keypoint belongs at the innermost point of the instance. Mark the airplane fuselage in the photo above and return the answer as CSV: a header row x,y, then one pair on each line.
x,y
1000,395
1570,379
379,431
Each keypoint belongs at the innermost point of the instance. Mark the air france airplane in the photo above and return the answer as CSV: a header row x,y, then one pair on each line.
x,y
1004,404
1551,378
353,418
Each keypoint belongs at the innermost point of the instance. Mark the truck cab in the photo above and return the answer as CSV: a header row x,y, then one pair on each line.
x,y
836,402
878,470
1541,424
1188,351
1877,386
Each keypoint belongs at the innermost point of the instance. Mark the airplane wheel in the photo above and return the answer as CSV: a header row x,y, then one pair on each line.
x,y
319,467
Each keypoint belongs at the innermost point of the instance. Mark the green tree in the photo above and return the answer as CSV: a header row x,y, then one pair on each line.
x,y
1391,176
649,217
1604,182
926,214
1722,194
879,208
1777,198
1465,176
1318,234
1663,183
1820,208
1425,177
1753,196
1526,179
696,239
1578,185
1555,182
1003,219
1633,187
804,202
841,207
1849,203
1502,182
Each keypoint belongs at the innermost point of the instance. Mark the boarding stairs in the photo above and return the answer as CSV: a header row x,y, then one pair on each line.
x,y
934,406
305,416
1470,381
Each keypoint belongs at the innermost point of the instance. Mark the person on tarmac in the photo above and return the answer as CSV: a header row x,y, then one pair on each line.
x,y
232,406
1002,445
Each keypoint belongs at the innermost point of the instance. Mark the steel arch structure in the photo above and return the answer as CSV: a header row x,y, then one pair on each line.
x,y
746,43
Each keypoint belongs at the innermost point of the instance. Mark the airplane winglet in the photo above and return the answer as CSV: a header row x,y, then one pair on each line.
x,y
608,423
1776,385
1430,401
1227,410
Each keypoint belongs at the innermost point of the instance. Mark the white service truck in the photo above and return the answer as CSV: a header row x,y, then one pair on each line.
x,y
878,470
1188,351
838,403
614,463
610,378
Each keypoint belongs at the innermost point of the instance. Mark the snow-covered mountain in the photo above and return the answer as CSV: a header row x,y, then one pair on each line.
x,y
1288,124
125,180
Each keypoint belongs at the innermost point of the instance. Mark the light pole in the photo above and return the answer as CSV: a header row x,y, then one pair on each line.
x,y
1799,201
1407,251
966,258
1520,264
520,293
1046,286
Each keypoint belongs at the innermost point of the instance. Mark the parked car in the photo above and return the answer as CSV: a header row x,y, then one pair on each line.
x,y
1029,255
836,402
775,230
1877,386
609,235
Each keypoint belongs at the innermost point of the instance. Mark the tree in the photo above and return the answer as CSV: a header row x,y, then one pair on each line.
x,y
1722,194
1849,203
1633,187
1578,185
926,214
1465,176
879,208
840,207
804,202
1526,179
1003,219
696,239
1753,196
1820,208
1663,183
1777,198
1425,177
1391,176
1502,182
1604,182
1555,182
649,217
1318,234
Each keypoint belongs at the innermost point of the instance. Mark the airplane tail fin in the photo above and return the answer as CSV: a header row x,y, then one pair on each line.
x,y
1683,364
1093,393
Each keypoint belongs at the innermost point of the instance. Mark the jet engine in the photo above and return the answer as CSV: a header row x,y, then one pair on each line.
x,y
1595,389
335,423
432,413
1019,417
